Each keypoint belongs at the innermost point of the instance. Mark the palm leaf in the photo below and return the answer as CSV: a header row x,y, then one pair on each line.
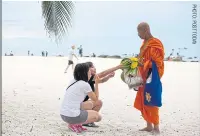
x,y
57,17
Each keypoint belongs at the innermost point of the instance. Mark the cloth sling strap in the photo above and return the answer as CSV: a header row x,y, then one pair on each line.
x,y
153,90
71,84
142,52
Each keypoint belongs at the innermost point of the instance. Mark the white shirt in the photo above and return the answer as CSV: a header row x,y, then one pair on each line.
x,y
71,54
73,98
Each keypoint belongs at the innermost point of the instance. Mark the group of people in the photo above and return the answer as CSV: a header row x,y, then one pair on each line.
x,y
11,54
44,53
81,103
30,54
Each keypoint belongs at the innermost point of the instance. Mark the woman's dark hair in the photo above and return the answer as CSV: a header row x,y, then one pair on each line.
x,y
90,64
81,72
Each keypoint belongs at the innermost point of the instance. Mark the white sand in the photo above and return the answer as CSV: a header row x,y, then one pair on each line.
x,y
33,88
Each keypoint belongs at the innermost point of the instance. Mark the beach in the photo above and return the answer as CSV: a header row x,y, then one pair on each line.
x,y
33,89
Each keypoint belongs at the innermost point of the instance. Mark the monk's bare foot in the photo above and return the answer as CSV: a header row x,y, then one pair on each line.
x,y
156,131
148,129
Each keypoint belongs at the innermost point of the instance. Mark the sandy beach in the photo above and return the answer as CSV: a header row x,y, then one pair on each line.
x,y
33,88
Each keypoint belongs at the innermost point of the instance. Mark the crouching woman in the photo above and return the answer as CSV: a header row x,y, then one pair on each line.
x,y
73,110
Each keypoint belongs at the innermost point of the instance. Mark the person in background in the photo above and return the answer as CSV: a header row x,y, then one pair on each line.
x,y
42,53
80,51
11,54
70,59
93,55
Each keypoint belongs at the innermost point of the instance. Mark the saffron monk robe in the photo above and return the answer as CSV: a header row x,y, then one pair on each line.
x,y
152,48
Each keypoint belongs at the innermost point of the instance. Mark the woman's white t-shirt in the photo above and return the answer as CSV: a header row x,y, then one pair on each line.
x,y
73,98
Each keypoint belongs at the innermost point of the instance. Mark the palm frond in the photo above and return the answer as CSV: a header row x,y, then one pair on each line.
x,y
57,17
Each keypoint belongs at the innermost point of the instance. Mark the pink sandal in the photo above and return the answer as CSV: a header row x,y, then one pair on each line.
x,y
82,128
74,128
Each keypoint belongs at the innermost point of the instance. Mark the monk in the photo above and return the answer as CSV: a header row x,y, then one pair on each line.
x,y
152,48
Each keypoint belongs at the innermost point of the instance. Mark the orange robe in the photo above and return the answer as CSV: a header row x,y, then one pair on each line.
x,y
151,49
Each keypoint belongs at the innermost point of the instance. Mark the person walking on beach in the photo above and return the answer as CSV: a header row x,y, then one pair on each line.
x,y
70,59
103,76
42,53
152,48
11,54
80,51
74,111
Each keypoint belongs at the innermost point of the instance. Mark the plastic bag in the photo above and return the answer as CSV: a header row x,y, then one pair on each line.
x,y
134,81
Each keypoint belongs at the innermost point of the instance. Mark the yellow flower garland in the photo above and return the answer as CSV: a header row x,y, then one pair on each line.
x,y
133,59
130,64
134,63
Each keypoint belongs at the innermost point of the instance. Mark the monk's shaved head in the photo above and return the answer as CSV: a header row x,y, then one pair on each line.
x,y
143,30
144,26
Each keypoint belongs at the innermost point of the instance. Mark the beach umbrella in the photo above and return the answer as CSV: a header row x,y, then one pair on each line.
x,y
57,17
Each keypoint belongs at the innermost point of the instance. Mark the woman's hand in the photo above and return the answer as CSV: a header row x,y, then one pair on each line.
x,y
92,96
97,79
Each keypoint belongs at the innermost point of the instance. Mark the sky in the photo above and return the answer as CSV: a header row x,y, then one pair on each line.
x,y
101,27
